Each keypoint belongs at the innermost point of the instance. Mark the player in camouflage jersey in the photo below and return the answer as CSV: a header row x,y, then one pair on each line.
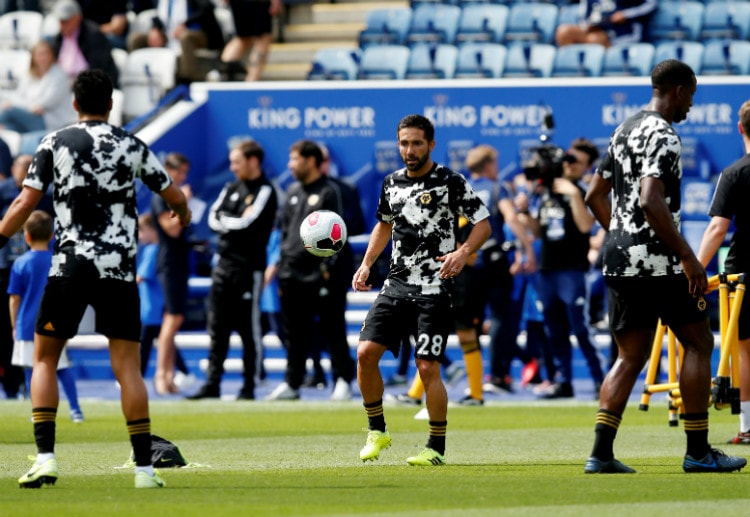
x,y
650,270
92,167
418,208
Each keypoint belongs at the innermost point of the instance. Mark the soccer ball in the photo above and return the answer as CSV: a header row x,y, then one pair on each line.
x,y
323,233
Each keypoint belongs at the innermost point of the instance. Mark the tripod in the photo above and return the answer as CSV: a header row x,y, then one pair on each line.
x,y
724,391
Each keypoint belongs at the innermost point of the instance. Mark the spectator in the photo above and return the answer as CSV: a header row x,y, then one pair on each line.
x,y
6,160
43,100
253,26
184,26
80,45
173,270
149,288
608,22
243,215
562,221
27,280
301,275
110,16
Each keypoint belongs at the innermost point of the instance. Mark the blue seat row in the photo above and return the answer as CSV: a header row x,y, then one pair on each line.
x,y
493,60
430,22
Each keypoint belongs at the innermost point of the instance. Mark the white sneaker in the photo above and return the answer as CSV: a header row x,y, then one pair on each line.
x,y
342,390
283,392
422,414
185,382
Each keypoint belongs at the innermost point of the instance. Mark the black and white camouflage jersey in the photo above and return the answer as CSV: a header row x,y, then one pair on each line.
x,y
93,167
645,145
423,213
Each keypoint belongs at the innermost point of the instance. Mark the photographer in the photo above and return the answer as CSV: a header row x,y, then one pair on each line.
x,y
560,218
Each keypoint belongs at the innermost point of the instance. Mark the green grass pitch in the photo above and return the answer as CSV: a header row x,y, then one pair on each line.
x,y
301,458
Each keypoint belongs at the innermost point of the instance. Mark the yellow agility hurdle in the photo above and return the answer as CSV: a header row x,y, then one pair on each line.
x,y
725,391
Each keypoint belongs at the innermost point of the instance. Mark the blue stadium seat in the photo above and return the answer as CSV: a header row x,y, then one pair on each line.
x,y
726,58
335,64
529,60
432,61
677,21
384,62
690,52
726,20
482,22
629,59
579,60
480,60
387,26
434,23
533,22
569,14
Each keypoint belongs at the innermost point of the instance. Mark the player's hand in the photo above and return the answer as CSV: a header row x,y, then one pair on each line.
x,y
696,275
453,263
359,281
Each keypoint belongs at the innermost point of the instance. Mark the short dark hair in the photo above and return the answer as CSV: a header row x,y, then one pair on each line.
x,y
586,146
250,148
39,226
308,148
176,160
92,90
744,114
671,73
419,122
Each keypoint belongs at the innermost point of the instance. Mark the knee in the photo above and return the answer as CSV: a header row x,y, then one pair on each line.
x,y
367,356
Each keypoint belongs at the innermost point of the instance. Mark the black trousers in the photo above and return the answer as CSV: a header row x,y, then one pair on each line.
x,y
234,305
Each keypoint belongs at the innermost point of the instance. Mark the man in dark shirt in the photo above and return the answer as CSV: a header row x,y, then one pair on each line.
x,y
243,216
730,203
301,275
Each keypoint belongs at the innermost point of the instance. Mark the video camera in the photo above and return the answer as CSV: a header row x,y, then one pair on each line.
x,y
545,161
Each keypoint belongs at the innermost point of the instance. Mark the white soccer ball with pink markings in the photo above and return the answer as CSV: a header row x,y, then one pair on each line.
x,y
323,233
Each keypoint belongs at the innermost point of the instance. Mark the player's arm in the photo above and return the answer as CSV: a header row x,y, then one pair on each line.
x,y
379,239
712,238
520,231
14,302
18,211
659,217
180,215
454,262
597,199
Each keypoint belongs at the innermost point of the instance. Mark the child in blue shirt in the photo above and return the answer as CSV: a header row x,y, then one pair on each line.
x,y
28,277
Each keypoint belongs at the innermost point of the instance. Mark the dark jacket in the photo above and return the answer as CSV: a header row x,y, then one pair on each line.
x,y
95,47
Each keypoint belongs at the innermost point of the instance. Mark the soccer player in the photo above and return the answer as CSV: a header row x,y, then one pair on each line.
x,y
730,202
650,270
418,209
92,167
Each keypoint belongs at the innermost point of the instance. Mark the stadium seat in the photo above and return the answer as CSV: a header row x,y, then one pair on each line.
x,y
149,73
726,20
690,52
480,60
532,22
387,26
529,60
20,29
143,21
118,102
629,59
50,26
677,21
432,61
384,62
726,58
434,23
482,22
13,139
335,64
14,63
569,14
579,60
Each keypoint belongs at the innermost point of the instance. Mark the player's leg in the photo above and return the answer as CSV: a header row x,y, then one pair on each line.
x,y
371,387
